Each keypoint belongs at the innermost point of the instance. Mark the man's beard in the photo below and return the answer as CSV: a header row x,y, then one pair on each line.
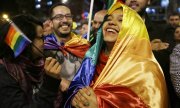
x,y
63,35
93,32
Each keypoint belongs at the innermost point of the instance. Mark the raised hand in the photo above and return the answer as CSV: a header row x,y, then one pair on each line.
x,y
157,45
52,67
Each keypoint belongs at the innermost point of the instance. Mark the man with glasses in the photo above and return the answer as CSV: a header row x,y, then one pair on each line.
x,y
65,46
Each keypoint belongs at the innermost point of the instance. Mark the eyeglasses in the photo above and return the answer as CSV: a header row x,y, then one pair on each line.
x,y
61,16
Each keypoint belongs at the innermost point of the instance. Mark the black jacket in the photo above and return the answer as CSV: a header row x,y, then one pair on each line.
x,y
156,31
12,95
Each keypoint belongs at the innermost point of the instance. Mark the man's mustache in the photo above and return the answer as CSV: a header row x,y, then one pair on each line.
x,y
64,23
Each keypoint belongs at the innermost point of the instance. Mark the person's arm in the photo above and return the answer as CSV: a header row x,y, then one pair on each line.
x,y
12,96
175,69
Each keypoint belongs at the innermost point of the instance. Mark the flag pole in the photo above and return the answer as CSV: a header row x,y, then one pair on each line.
x,y
90,18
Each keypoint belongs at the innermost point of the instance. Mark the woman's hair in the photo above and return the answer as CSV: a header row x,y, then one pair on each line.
x,y
27,24
177,40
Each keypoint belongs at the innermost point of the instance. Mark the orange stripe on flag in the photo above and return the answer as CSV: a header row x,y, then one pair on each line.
x,y
10,35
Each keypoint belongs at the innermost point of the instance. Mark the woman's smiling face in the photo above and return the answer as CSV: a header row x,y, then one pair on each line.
x,y
112,25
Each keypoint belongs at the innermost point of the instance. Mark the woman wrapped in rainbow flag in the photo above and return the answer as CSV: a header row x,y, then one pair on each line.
x,y
120,70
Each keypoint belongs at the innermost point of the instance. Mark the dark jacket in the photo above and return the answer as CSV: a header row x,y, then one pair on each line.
x,y
155,31
169,36
16,89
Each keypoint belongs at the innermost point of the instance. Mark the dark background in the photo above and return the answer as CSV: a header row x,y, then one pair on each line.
x,y
14,7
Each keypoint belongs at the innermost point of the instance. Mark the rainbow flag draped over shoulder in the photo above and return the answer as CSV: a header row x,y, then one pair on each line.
x,y
16,39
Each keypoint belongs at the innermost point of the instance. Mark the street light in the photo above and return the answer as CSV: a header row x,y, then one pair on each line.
x,y
5,16
64,1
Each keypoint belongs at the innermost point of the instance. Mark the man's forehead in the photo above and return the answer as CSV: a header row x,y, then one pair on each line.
x,y
61,9
99,17
175,16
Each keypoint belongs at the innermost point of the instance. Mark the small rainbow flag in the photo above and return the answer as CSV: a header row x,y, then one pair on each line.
x,y
16,39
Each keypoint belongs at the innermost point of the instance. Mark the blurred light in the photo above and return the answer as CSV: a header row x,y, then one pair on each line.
x,y
64,1
150,10
164,3
38,1
49,3
38,6
178,9
5,16
153,10
147,10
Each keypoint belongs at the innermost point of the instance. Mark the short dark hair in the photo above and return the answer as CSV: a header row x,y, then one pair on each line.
x,y
173,14
26,23
56,5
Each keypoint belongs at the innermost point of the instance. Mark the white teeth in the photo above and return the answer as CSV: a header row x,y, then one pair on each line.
x,y
133,6
111,30
64,26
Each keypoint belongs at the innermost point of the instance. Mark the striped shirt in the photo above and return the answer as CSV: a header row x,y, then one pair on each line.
x,y
175,68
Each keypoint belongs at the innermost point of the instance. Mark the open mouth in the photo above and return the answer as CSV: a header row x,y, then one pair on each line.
x,y
133,5
65,26
112,30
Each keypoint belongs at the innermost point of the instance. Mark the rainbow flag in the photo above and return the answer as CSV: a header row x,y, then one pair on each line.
x,y
16,39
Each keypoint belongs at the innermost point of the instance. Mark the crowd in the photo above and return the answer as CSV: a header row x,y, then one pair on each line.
x,y
128,62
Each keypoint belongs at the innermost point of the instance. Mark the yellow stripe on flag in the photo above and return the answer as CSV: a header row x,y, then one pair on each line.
x,y
17,34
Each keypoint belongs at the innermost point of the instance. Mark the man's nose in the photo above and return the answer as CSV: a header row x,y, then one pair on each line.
x,y
64,19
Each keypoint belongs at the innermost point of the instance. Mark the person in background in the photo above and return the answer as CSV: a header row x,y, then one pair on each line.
x,y
174,19
84,29
27,81
47,29
120,69
155,36
97,21
67,47
172,22
160,47
175,66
